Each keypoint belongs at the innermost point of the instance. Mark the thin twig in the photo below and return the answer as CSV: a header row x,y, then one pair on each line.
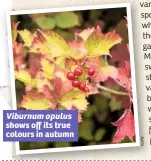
x,y
111,90
120,83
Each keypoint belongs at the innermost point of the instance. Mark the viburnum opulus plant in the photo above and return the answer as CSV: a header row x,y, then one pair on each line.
x,y
62,75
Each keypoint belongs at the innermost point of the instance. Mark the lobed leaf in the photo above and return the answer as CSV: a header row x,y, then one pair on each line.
x,y
74,98
48,68
77,50
35,101
25,77
49,43
61,87
125,127
99,44
26,36
85,33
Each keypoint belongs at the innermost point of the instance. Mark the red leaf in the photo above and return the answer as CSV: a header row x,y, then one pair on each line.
x,y
62,87
125,75
34,64
120,53
50,95
125,100
58,86
125,127
18,55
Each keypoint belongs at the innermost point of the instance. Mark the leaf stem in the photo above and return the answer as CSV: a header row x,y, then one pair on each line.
x,y
111,90
120,84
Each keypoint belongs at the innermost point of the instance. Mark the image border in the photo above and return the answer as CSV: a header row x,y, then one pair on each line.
x,y
12,78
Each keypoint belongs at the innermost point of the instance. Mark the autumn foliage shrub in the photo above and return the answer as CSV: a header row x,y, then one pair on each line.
x,y
60,74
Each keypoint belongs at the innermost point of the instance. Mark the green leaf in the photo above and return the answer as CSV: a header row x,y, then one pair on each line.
x,y
62,144
90,111
24,145
44,144
85,130
101,103
99,134
45,22
115,104
68,36
67,20
127,140
95,14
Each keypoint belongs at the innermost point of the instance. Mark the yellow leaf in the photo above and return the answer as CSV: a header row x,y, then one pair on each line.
x,y
25,77
74,98
99,44
35,101
60,61
61,74
48,68
49,43
26,37
77,54
76,50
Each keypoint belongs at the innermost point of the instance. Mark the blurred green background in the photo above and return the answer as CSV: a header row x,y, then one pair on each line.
x,y
96,127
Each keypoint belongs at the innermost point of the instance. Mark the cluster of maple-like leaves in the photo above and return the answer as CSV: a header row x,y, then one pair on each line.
x,y
51,72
